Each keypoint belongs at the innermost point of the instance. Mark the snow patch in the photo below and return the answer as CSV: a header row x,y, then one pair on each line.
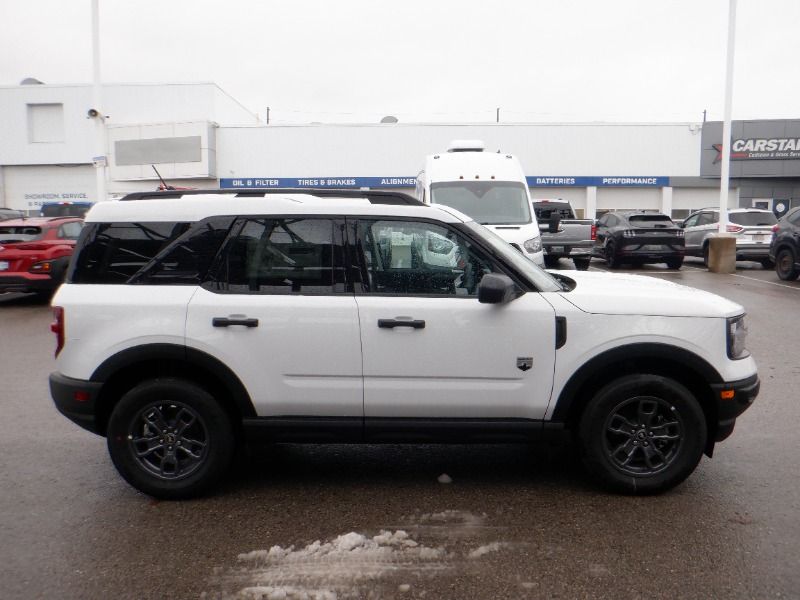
x,y
486,549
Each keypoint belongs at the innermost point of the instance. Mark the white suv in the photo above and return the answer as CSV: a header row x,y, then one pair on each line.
x,y
191,322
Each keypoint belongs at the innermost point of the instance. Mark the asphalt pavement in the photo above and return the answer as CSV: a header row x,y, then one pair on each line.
x,y
507,521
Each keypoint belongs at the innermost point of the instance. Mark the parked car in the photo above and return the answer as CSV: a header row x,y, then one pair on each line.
x,y
199,321
573,238
9,213
66,208
752,228
34,253
784,249
638,237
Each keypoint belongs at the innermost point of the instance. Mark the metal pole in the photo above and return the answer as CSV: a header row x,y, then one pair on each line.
x,y
726,126
268,115
97,104
498,115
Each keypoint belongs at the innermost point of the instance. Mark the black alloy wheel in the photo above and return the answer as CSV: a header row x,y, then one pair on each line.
x,y
642,434
784,265
169,438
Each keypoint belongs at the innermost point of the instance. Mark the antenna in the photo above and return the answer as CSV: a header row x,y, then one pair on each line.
x,y
163,185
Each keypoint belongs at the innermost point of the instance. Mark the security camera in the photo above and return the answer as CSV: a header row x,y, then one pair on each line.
x,y
92,113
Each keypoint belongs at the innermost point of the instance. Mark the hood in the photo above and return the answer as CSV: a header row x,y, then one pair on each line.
x,y
622,294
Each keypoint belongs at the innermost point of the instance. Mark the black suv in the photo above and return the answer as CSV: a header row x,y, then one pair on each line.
x,y
785,246
639,237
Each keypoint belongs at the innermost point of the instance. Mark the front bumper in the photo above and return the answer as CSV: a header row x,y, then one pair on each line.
x,y
732,399
76,399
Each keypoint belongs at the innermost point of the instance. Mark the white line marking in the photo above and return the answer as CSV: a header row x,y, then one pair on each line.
x,y
791,287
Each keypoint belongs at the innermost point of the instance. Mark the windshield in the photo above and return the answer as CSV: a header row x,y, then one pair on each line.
x,y
487,202
543,281
25,233
753,219
653,220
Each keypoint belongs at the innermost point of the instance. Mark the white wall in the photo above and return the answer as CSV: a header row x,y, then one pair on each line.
x,y
123,103
25,188
399,149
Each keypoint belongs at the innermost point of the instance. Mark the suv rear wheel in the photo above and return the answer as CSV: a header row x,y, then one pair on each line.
x,y
784,265
642,434
170,439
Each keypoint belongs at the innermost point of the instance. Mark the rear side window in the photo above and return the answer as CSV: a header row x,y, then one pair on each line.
x,y
286,255
115,252
753,219
187,259
65,210
794,217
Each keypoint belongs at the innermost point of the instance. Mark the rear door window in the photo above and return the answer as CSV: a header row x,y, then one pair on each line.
x,y
285,255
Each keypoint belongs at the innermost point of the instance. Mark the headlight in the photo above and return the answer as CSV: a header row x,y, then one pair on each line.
x,y
533,244
737,332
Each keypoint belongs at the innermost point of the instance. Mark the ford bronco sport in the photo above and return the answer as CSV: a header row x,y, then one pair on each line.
x,y
191,322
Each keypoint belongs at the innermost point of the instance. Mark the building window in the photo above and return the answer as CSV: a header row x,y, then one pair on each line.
x,y
45,123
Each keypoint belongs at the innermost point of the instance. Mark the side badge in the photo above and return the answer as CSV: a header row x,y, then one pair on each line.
x,y
524,363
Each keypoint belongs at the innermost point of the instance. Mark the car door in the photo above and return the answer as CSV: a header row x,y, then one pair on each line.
x,y
430,349
277,312
690,233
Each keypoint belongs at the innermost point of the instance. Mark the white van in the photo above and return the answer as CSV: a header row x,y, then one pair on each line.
x,y
489,187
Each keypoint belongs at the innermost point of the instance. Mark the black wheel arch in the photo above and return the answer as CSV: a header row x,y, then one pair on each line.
x,y
679,364
122,371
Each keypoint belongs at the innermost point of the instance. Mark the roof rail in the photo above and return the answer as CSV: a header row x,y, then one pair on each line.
x,y
374,196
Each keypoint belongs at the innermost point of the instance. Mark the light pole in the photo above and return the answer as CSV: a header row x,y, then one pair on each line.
x,y
96,112
722,248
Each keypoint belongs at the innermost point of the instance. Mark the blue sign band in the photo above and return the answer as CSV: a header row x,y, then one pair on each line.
x,y
410,182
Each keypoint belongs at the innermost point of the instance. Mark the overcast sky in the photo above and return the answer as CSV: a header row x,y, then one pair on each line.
x,y
427,61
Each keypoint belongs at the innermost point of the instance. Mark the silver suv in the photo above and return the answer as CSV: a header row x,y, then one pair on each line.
x,y
752,228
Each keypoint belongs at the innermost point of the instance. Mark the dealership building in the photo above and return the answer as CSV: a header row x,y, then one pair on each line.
x,y
198,136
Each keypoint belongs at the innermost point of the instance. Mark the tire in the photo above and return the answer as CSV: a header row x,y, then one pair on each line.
x,y
767,263
582,264
784,265
675,263
628,458
551,262
183,413
705,254
611,256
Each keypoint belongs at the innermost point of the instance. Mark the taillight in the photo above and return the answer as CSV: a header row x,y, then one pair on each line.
x,y
41,267
734,228
594,232
629,233
57,327
680,233
775,228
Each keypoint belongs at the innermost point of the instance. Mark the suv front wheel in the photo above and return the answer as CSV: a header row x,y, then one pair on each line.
x,y
642,434
170,439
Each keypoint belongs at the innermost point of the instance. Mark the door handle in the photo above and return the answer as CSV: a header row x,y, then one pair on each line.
x,y
226,322
392,323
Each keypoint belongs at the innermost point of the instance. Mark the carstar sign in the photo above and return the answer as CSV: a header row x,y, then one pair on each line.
x,y
762,149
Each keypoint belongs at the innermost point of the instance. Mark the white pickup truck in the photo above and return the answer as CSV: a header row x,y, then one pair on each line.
x,y
564,236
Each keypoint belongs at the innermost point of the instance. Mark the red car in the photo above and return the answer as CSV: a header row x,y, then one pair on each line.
x,y
35,253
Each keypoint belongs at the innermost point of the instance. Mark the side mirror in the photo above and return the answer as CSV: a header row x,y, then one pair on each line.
x,y
496,288
555,221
